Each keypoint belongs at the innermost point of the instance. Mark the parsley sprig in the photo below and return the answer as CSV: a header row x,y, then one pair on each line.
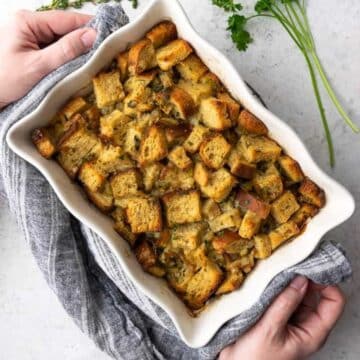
x,y
77,4
292,16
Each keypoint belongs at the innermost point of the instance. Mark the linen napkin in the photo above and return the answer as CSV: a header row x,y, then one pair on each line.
x,y
85,275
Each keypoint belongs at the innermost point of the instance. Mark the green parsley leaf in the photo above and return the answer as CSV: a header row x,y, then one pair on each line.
x,y
228,5
240,37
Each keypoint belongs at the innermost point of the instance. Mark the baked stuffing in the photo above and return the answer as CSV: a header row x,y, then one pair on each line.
x,y
192,180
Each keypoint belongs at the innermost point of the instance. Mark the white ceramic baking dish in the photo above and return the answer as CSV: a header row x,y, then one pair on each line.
x,y
195,332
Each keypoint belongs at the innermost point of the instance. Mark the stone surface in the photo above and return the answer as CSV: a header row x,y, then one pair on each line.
x,y
34,326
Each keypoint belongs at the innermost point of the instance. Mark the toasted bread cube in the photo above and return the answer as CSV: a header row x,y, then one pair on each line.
x,y
141,57
44,142
250,225
92,116
162,33
151,174
311,193
291,168
259,148
183,103
232,281
136,83
227,220
176,135
262,246
103,199
229,242
143,214
179,158
268,186
283,233
121,227
196,137
122,63
210,209
145,255
91,177
239,166
202,285
219,186
178,276
113,126
153,146
213,81
132,141
173,53
197,91
182,207
214,114
172,178
284,207
201,174
305,212
233,107
74,106
250,124
108,89
192,68
125,183
214,151
163,240
187,237
247,201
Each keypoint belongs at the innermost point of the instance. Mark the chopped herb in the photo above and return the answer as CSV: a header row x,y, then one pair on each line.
x,y
77,4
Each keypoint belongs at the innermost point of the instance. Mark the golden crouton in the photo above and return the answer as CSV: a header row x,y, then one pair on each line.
x,y
121,227
219,186
153,146
92,116
268,186
233,107
214,151
229,242
136,83
282,233
197,91
182,102
44,142
103,199
179,158
250,124
239,166
151,174
305,212
192,68
74,106
210,209
141,57
176,135
259,148
196,137
182,207
162,33
262,246
311,193
122,63
91,177
227,220
202,285
232,281
201,174
172,178
145,254
214,114
291,168
187,237
113,126
249,225
173,53
179,275
285,206
108,89
138,101
213,81
125,183
247,201
143,214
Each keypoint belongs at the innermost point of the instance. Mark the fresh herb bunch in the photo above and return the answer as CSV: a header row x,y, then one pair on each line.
x,y
292,16
77,4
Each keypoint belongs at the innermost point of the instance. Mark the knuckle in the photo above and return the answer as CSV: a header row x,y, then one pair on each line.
x,y
68,50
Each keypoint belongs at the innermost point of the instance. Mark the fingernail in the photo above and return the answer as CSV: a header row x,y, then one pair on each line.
x,y
88,38
299,283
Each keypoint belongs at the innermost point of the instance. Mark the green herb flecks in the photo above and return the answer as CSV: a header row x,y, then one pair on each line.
x,y
292,16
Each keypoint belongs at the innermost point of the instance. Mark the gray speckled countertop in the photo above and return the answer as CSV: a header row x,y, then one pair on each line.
x,y
34,326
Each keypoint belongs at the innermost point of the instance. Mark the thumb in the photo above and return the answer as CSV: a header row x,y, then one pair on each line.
x,y
66,48
281,310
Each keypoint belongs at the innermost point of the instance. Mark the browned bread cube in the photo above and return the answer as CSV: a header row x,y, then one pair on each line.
x,y
103,199
305,212
108,89
249,225
233,107
268,186
192,68
162,33
44,142
311,193
92,116
196,137
182,207
227,240
151,174
143,214
91,177
153,146
210,209
74,106
291,168
173,53
214,114
228,220
122,63
197,91
187,237
121,227
214,151
232,281
262,246
125,183
283,233
239,166
259,148
213,81
247,201
250,124
172,178
176,134
201,174
113,126
179,158
145,255
182,102
141,57
285,206
179,275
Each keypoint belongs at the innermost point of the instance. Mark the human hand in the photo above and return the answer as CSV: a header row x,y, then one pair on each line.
x,y
295,326
35,43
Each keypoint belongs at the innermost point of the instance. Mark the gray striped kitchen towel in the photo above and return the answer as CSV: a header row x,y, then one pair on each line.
x,y
84,274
